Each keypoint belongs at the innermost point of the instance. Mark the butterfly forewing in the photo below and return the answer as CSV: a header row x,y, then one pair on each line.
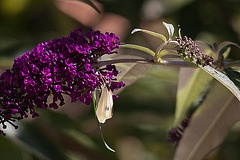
x,y
109,104
105,105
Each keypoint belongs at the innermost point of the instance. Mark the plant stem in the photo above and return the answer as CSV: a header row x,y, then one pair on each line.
x,y
145,61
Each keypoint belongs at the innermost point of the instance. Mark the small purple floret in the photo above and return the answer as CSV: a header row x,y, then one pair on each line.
x,y
60,67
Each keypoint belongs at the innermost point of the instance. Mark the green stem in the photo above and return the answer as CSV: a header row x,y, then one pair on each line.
x,y
160,50
144,61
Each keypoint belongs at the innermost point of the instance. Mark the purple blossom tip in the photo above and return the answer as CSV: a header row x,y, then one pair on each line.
x,y
59,67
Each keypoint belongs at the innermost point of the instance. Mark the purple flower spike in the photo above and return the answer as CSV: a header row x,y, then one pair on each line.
x,y
57,88
61,66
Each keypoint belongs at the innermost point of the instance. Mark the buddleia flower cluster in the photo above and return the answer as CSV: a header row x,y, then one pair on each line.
x,y
60,67
175,133
189,50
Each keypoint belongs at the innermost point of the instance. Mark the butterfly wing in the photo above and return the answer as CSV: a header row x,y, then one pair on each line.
x,y
105,105
109,108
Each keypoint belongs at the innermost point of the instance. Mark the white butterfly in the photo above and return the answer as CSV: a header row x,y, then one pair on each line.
x,y
105,105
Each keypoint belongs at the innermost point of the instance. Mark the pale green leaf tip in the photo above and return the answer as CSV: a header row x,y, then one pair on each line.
x,y
161,61
170,29
135,30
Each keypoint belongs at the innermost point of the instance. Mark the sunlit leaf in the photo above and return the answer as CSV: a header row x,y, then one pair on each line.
x,y
170,29
209,124
222,78
170,48
191,84
167,52
137,47
158,35
129,72
234,75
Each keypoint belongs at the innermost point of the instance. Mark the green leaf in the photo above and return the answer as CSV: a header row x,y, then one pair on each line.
x,y
169,48
170,29
129,72
234,75
222,78
167,52
191,84
158,35
209,124
137,47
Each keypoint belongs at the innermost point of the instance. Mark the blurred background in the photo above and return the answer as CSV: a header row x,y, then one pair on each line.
x,y
144,112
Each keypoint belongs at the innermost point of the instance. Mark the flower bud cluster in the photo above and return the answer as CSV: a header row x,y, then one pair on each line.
x,y
59,67
189,50
175,134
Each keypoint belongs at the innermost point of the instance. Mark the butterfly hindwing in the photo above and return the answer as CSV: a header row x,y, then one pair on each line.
x,y
105,105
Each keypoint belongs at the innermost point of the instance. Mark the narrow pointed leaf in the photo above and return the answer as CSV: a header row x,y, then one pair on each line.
x,y
209,124
170,48
140,48
167,52
222,78
129,72
158,35
191,84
